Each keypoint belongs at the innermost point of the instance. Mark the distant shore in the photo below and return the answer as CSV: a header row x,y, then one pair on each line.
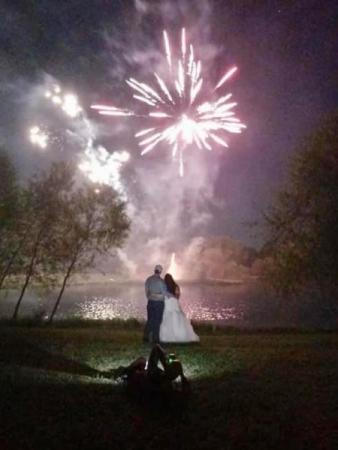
x,y
98,279
90,279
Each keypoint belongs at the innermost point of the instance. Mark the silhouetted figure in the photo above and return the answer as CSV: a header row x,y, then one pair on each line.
x,y
175,326
155,289
155,376
172,287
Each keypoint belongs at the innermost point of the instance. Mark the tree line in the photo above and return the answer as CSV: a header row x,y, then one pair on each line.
x,y
301,226
54,226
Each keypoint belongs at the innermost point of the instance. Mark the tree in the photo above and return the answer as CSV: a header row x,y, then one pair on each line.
x,y
53,228
13,237
7,189
9,208
93,223
302,224
39,224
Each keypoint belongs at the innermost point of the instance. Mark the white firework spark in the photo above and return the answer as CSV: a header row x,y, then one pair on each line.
x,y
38,137
67,102
102,167
179,112
174,269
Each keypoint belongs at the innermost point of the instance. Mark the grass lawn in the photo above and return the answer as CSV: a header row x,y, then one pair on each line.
x,y
263,390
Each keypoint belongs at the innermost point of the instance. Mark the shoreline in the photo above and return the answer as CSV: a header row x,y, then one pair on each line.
x,y
133,324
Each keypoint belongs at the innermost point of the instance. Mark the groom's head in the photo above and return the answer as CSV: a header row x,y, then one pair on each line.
x,y
158,269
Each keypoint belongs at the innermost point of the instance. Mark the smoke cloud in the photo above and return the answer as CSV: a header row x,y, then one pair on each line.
x,y
167,211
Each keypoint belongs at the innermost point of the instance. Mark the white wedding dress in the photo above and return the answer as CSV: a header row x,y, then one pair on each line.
x,y
175,326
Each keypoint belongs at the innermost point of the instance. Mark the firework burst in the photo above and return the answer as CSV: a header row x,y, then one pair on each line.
x,y
77,132
178,111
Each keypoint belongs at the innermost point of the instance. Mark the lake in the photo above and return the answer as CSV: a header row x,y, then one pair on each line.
x,y
242,305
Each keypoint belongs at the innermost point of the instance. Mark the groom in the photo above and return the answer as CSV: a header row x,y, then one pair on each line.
x,y
155,292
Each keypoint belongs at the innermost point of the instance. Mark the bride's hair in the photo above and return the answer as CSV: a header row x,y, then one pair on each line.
x,y
171,284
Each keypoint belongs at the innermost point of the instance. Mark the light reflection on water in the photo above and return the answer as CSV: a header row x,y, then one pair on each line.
x,y
202,303
123,301
105,307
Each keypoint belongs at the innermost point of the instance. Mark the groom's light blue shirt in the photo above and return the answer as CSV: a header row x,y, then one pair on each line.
x,y
155,288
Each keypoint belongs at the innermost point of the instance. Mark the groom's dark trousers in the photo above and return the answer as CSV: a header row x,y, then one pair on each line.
x,y
155,310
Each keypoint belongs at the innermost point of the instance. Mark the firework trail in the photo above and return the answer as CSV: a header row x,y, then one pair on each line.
x,y
178,111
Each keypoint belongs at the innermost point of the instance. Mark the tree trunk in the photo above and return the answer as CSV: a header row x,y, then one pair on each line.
x,y
28,277
23,290
6,271
58,300
9,265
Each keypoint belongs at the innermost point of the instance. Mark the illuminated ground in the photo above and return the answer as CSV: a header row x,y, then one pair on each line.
x,y
257,390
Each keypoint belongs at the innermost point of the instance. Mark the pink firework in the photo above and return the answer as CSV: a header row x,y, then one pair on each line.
x,y
175,110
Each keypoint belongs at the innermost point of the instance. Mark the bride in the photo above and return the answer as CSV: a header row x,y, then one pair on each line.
x,y
175,326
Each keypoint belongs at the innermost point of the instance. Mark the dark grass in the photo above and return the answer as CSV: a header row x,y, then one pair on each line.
x,y
259,390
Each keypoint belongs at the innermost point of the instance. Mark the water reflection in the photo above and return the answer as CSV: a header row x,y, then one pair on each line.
x,y
206,303
97,307
124,301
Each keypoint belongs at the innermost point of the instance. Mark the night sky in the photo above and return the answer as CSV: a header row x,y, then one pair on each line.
x,y
286,85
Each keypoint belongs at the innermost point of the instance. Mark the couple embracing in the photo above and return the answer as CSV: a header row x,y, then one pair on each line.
x,y
166,321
